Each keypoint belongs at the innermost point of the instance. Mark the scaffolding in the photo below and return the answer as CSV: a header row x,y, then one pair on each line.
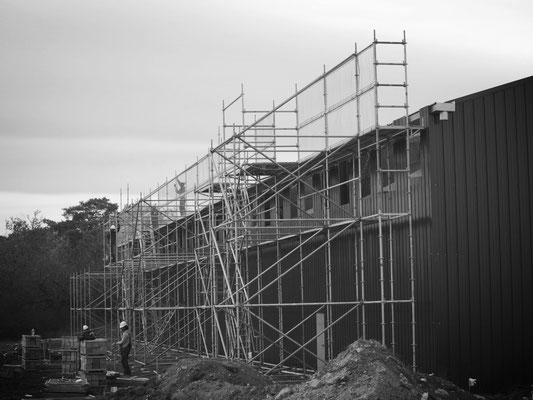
x,y
289,240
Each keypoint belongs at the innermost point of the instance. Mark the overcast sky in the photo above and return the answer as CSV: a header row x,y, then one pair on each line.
x,y
96,96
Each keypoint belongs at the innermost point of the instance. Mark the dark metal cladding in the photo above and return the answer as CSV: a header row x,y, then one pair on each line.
x,y
481,239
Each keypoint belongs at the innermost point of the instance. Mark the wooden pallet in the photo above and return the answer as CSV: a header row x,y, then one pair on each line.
x,y
64,385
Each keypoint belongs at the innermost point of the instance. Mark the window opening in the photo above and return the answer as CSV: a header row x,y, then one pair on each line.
x,y
344,176
365,175
294,202
415,157
306,194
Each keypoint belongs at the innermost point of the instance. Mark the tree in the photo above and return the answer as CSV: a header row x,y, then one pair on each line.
x,y
90,212
18,225
37,259
34,277
83,231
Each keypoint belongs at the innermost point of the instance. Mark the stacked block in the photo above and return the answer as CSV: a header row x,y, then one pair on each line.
x,y
32,352
70,355
93,363
54,348
55,344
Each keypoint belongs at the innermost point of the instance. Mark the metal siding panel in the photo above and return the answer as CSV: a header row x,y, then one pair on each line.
x,y
314,272
482,337
438,253
529,125
455,272
494,290
463,130
528,243
423,294
471,303
514,237
343,288
291,281
371,279
524,198
504,226
314,285
267,256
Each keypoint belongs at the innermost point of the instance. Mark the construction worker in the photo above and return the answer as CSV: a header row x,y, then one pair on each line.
x,y
86,334
113,240
125,347
180,192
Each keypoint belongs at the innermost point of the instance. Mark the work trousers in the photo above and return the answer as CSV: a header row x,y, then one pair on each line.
x,y
124,354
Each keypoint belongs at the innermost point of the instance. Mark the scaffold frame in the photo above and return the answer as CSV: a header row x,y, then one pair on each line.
x,y
290,239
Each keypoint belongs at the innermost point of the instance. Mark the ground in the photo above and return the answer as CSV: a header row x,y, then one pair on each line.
x,y
364,370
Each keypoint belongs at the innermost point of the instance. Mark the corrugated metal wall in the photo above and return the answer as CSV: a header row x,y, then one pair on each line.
x,y
481,239
345,277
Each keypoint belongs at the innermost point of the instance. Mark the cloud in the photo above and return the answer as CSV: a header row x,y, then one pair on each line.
x,y
98,96
57,165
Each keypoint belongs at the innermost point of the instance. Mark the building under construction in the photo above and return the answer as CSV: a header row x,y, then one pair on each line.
x,y
336,215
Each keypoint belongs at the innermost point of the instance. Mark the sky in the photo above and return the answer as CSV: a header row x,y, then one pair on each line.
x,y
110,98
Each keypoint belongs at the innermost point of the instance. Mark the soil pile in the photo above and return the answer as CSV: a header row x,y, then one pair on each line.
x,y
196,378
368,370
213,379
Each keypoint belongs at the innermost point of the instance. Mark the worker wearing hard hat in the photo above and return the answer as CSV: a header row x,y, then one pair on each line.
x,y
125,347
86,334
113,243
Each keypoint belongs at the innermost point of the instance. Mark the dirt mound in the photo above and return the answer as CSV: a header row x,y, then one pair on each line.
x,y
197,378
368,370
194,378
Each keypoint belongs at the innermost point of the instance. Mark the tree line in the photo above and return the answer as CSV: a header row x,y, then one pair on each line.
x,y
37,258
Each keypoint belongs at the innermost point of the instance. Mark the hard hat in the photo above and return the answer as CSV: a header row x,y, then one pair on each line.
x,y
113,227
123,324
85,327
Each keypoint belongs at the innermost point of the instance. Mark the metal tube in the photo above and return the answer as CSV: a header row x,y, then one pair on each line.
x,y
391,288
410,214
327,214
